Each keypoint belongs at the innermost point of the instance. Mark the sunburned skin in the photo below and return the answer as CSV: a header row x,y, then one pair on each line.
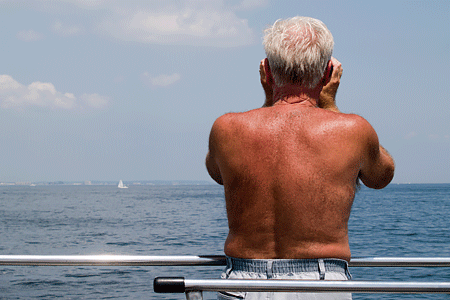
x,y
289,172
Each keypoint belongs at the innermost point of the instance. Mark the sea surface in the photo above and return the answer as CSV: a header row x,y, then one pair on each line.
x,y
406,220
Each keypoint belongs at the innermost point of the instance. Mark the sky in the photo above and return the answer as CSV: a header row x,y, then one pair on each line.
x,y
103,90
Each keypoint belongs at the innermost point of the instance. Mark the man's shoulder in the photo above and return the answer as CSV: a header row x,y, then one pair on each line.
x,y
235,118
226,120
350,120
359,128
346,124
226,123
357,122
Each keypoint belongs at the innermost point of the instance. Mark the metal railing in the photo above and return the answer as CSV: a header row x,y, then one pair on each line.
x,y
193,260
110,260
193,288
182,285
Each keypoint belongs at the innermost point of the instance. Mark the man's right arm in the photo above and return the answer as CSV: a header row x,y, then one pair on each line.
x,y
378,165
377,169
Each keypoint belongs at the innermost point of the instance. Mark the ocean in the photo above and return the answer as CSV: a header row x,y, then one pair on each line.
x,y
404,220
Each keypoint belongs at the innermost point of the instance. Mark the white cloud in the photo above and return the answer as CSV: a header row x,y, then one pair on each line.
x,y
42,86
200,26
8,83
29,36
161,80
43,94
198,23
169,22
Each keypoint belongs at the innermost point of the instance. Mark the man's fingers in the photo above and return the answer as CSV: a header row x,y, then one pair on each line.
x,y
337,68
335,62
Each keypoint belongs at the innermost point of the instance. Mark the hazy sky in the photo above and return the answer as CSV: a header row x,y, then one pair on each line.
x,y
109,90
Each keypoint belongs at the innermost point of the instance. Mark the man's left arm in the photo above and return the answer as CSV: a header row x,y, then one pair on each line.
x,y
211,163
379,166
213,169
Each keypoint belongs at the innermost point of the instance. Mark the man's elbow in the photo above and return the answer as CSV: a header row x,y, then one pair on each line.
x,y
218,180
380,181
213,170
385,180
216,177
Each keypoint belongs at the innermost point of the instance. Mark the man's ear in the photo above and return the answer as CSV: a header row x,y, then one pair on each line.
x,y
327,74
269,78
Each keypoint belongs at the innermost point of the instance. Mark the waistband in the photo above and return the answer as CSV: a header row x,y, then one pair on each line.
x,y
283,266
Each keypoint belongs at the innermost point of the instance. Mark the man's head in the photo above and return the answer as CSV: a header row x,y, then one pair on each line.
x,y
298,50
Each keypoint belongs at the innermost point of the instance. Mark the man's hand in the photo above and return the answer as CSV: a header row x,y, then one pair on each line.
x,y
327,99
268,90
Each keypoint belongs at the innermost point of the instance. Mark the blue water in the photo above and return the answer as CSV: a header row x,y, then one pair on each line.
x,y
401,220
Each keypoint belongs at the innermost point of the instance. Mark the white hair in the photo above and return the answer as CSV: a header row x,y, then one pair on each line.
x,y
298,50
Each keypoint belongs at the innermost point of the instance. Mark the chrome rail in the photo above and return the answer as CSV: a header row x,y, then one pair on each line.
x,y
110,260
194,288
194,260
182,285
400,262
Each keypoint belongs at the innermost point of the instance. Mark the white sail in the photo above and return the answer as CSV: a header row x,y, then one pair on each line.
x,y
121,185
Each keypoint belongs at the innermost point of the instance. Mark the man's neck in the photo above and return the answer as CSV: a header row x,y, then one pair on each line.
x,y
293,94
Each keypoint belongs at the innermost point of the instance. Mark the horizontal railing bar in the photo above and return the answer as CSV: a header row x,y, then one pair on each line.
x,y
317,286
189,260
400,262
110,260
251,285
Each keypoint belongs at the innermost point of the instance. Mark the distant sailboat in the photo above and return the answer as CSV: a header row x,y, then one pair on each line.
x,y
121,186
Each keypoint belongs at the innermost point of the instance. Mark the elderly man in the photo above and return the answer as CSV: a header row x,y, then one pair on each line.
x,y
290,169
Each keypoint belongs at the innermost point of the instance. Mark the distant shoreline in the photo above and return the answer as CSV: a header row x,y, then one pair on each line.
x,y
130,183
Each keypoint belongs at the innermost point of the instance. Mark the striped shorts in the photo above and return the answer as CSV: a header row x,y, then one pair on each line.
x,y
292,269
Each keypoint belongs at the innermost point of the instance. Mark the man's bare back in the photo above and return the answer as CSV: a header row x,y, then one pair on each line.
x,y
290,169
289,173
